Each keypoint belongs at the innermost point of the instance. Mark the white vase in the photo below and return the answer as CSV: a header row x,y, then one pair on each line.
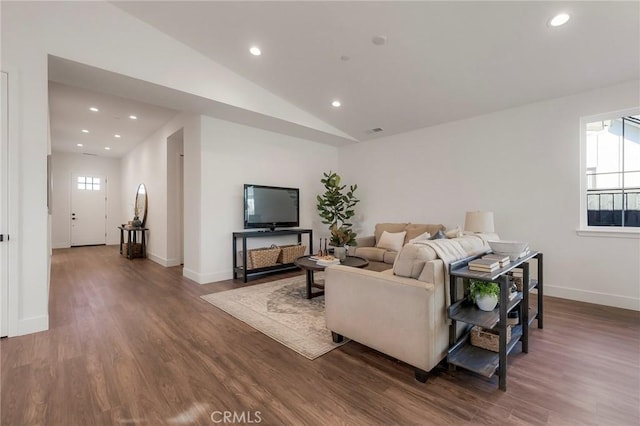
x,y
486,302
340,253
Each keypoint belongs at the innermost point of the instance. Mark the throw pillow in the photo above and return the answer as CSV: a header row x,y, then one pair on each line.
x,y
391,240
421,237
438,236
453,233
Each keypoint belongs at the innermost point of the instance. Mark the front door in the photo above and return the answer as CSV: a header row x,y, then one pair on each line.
x,y
88,210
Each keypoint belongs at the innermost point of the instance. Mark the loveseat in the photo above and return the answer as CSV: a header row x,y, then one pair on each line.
x,y
381,258
401,311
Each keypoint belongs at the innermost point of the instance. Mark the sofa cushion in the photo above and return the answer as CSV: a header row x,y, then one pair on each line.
x,y
389,227
453,233
411,260
391,240
390,257
371,253
421,237
438,236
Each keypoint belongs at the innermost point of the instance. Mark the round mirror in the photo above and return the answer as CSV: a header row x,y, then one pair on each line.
x,y
141,204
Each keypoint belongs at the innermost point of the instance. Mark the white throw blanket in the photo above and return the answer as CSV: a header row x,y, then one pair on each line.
x,y
448,251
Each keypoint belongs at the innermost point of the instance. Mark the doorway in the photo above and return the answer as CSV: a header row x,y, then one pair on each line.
x,y
175,198
88,210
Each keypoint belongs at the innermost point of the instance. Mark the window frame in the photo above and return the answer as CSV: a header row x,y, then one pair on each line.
x,y
599,231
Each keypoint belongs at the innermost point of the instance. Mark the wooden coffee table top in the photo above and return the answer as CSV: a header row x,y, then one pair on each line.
x,y
354,261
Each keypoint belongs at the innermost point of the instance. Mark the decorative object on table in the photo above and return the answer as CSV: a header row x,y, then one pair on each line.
x,y
488,339
340,253
478,222
336,207
140,207
517,276
485,294
484,265
500,258
514,249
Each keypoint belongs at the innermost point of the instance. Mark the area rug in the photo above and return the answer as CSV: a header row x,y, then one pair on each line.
x,y
281,310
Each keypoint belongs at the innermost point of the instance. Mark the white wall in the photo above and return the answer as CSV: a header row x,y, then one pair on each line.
x,y
84,32
233,155
63,165
147,163
522,164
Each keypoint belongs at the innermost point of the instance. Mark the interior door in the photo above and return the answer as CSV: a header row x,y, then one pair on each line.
x,y
4,196
88,210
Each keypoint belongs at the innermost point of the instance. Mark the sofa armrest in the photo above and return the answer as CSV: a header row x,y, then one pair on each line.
x,y
368,241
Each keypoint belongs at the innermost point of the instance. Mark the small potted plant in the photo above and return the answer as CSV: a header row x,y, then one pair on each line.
x,y
485,294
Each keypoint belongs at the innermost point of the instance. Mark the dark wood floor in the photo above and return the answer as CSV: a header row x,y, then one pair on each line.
x,y
131,342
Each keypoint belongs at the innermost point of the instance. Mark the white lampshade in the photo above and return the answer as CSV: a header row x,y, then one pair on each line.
x,y
478,222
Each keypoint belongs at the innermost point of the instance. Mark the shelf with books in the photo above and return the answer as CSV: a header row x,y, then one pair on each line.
x,y
479,360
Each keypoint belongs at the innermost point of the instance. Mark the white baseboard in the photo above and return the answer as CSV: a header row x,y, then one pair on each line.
x,y
597,298
33,325
206,278
162,261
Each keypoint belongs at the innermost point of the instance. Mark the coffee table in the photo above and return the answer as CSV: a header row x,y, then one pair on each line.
x,y
310,266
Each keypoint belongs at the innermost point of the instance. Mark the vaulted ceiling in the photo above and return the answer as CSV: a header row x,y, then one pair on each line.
x,y
400,66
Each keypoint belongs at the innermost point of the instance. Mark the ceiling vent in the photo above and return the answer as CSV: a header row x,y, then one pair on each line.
x,y
374,130
88,153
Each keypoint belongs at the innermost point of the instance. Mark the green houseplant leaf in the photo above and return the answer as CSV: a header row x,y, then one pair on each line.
x,y
483,288
335,207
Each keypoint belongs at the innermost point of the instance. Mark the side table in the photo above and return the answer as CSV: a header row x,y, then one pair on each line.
x,y
132,248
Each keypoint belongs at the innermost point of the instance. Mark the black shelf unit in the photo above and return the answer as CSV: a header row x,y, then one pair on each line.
x,y
241,270
482,361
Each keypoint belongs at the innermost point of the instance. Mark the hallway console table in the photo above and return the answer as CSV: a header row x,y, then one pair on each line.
x,y
133,248
241,270
479,360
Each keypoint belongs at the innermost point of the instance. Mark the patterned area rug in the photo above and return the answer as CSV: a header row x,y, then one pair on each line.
x,y
280,310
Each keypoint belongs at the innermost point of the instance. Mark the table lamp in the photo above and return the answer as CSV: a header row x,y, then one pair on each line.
x,y
478,221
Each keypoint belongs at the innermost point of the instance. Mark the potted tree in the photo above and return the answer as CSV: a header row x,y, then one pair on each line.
x,y
335,207
484,294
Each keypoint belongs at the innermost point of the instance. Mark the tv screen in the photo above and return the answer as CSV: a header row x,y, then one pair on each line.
x,y
271,207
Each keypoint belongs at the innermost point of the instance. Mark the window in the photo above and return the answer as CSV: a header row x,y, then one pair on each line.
x,y
612,171
89,183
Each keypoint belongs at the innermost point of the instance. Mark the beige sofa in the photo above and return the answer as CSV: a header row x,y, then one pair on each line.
x,y
399,312
380,258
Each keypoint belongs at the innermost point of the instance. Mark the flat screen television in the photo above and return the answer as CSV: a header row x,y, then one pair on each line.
x,y
271,207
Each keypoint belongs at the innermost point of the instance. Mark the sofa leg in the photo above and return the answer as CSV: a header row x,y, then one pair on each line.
x,y
337,338
421,375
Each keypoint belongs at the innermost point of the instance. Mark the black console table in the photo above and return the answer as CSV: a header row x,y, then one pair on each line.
x,y
132,248
479,360
244,235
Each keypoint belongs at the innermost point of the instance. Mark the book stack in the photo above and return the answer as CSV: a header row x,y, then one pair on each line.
x,y
503,260
484,265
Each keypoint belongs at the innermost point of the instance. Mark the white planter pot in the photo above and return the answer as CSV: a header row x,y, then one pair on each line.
x,y
486,303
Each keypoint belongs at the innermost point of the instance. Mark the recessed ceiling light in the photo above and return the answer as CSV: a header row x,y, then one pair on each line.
x,y
79,144
559,19
94,109
133,117
107,148
336,103
117,136
85,131
255,51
